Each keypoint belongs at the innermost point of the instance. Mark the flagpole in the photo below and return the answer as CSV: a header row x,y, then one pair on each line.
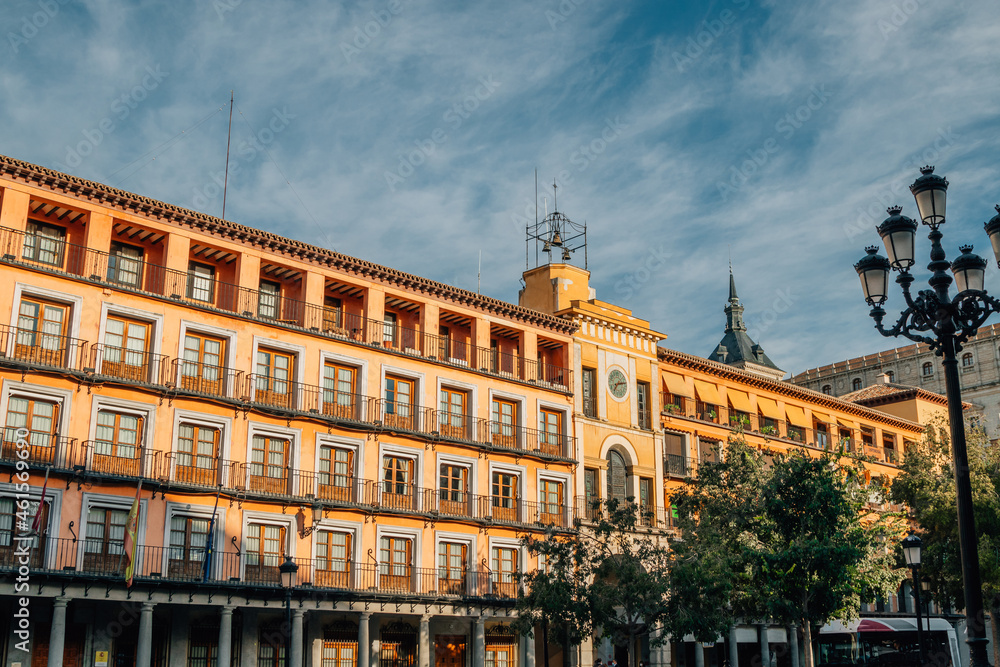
x,y
211,537
37,520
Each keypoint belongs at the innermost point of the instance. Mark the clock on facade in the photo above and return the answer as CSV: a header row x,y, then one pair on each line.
x,y
617,383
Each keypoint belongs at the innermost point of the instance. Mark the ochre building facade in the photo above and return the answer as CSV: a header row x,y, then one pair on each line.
x,y
392,435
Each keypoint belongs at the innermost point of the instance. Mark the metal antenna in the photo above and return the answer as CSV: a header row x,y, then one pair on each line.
x,y
555,198
229,141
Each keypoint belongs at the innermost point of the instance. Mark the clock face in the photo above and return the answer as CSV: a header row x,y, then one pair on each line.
x,y
617,383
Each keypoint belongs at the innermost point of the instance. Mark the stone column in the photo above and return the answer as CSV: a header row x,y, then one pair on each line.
x,y
225,636
296,656
734,647
364,640
765,649
57,635
479,642
144,651
424,652
793,644
180,634
251,637
699,655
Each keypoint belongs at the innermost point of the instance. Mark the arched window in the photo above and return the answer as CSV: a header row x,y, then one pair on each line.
x,y
891,375
616,476
927,369
856,384
827,389
967,360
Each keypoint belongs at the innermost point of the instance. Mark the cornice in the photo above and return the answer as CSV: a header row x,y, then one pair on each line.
x,y
783,388
128,202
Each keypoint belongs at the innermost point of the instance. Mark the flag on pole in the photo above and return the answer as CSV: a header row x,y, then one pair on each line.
x,y
131,541
36,523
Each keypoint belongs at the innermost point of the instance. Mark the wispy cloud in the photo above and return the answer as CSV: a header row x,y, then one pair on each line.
x,y
896,85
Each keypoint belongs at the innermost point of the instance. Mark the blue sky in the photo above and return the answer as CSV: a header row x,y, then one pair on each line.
x,y
407,132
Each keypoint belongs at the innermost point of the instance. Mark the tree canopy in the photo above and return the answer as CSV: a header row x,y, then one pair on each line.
x,y
927,485
609,579
788,537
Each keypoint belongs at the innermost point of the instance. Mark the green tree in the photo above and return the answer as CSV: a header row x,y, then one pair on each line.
x,y
712,570
790,539
609,578
927,485
824,551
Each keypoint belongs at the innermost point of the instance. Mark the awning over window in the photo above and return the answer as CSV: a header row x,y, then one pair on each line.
x,y
676,384
822,417
846,424
796,416
707,392
769,408
739,399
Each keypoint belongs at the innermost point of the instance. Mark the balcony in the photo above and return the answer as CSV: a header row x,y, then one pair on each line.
x,y
119,460
41,349
138,366
42,449
675,465
80,262
207,379
593,509
104,559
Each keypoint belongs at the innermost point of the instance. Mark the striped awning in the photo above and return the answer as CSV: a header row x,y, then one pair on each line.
x,y
676,384
707,392
796,416
739,399
822,417
769,408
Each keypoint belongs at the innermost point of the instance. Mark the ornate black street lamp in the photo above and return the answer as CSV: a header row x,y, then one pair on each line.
x,y
943,323
911,553
289,569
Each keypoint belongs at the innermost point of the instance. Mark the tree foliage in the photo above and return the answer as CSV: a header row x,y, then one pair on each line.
x,y
790,540
609,579
927,485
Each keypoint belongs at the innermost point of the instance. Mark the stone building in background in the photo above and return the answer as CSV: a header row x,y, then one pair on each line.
x,y
917,366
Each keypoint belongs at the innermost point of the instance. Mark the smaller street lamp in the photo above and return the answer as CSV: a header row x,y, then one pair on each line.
x,y
289,571
911,553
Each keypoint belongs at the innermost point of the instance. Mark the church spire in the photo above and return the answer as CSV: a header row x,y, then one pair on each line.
x,y
734,309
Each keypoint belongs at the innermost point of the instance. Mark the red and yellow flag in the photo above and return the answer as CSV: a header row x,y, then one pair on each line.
x,y
131,539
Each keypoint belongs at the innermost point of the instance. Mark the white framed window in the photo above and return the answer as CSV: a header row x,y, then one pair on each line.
x,y
120,437
507,492
267,538
272,452
506,561
507,416
455,556
102,532
339,465
200,449
185,532
553,494
45,547
335,548
130,343
456,484
44,412
398,555
48,324
400,472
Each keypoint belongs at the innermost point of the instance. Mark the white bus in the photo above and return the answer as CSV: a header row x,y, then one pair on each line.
x,y
887,641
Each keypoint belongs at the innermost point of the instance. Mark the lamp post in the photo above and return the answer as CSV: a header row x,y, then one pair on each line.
x,y
289,569
911,553
943,323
